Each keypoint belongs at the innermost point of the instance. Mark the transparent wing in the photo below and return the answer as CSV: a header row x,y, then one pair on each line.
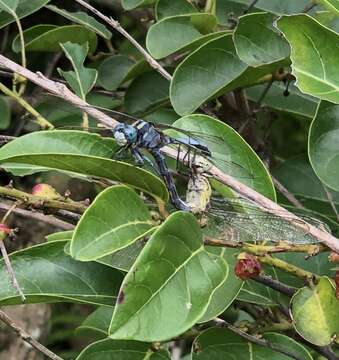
x,y
239,220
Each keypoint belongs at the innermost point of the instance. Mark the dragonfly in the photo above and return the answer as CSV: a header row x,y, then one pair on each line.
x,y
142,135
241,220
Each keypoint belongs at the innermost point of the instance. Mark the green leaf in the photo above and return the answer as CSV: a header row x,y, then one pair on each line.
x,y
123,259
167,8
162,116
9,5
5,112
323,148
24,8
204,71
46,274
257,42
98,320
173,278
47,38
315,313
60,236
65,141
332,5
184,30
310,40
228,291
295,103
82,79
231,154
132,4
113,71
114,349
146,93
218,343
116,219
80,153
83,19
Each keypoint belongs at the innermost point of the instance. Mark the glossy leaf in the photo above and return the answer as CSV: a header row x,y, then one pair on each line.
x,y
98,320
323,147
9,5
232,154
295,103
257,42
228,291
113,71
60,236
46,274
5,112
123,259
24,8
83,19
81,153
332,5
315,313
305,185
167,8
132,4
184,30
146,93
205,72
81,79
218,343
310,40
170,285
115,349
115,219
47,38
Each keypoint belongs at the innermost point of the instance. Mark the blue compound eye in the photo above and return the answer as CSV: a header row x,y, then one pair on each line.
x,y
130,133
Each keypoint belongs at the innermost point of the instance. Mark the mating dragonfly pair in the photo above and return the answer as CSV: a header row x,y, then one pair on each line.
x,y
236,219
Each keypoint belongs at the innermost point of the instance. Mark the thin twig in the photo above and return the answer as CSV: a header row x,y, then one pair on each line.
x,y
42,202
27,337
256,339
288,195
44,123
262,202
287,267
309,7
251,6
275,285
5,256
48,219
331,201
115,25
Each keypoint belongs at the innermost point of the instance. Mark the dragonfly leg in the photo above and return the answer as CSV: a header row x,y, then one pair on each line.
x,y
168,179
138,157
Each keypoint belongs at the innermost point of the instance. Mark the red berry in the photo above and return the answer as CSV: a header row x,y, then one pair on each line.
x,y
45,190
247,266
4,228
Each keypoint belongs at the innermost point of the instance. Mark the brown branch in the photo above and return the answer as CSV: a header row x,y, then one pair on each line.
x,y
48,219
275,285
264,203
288,195
27,337
40,201
57,89
115,25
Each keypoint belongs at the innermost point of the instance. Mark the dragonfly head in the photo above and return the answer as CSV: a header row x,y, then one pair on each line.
x,y
124,134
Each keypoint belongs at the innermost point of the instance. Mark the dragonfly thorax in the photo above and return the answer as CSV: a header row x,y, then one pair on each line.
x,y
125,134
